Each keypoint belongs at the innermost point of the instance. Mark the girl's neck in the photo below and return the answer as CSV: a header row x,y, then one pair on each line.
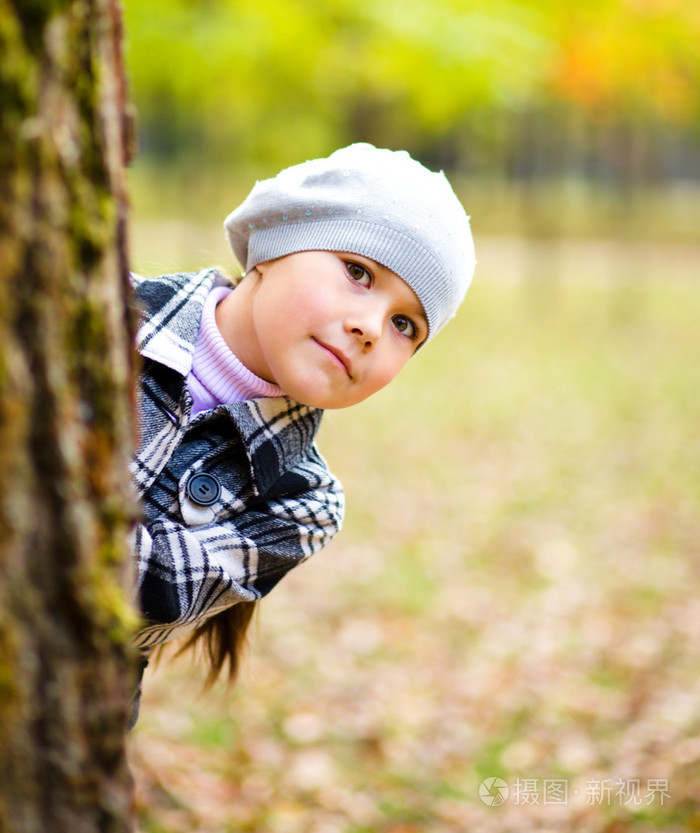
x,y
235,320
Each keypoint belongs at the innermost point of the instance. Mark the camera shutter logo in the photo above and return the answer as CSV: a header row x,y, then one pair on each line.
x,y
493,791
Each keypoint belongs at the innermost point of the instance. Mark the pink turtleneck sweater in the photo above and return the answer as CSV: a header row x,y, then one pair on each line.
x,y
217,376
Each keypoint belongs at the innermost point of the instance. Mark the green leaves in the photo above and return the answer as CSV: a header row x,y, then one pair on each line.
x,y
274,81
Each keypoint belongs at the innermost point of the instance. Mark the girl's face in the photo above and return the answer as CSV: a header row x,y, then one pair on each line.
x,y
329,328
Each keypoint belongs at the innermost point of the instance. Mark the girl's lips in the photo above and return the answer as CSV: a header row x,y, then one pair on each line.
x,y
340,358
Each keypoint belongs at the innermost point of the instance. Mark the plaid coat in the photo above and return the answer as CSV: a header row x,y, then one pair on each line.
x,y
264,500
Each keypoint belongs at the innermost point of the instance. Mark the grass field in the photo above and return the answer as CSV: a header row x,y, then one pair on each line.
x,y
515,593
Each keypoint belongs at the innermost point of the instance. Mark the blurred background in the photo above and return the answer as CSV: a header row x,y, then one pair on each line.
x,y
515,593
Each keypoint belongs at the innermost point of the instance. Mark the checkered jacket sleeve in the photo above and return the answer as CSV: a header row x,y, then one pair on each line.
x,y
189,573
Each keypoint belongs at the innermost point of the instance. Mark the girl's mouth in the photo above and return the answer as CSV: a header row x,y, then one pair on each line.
x,y
338,357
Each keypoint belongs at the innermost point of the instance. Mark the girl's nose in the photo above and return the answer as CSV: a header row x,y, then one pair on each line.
x,y
366,326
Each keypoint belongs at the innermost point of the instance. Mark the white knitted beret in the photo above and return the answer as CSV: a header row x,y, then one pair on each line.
x,y
378,203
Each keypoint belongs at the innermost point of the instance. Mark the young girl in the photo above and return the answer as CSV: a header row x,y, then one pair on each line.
x,y
353,263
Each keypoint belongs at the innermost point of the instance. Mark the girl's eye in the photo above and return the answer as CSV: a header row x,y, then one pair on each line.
x,y
359,274
405,326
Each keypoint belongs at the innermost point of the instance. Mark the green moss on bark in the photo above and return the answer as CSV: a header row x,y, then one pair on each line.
x,y
65,425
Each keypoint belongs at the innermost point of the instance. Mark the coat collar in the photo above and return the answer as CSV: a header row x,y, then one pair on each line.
x,y
277,434
171,308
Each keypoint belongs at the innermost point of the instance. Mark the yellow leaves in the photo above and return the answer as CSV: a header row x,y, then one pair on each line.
x,y
634,56
243,75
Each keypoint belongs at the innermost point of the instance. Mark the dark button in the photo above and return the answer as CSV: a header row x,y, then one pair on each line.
x,y
203,489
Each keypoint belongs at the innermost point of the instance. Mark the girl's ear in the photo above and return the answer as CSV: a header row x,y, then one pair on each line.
x,y
252,276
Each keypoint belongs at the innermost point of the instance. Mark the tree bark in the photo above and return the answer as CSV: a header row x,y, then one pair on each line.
x,y
65,420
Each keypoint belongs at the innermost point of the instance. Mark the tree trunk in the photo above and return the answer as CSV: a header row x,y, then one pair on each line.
x,y
65,420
